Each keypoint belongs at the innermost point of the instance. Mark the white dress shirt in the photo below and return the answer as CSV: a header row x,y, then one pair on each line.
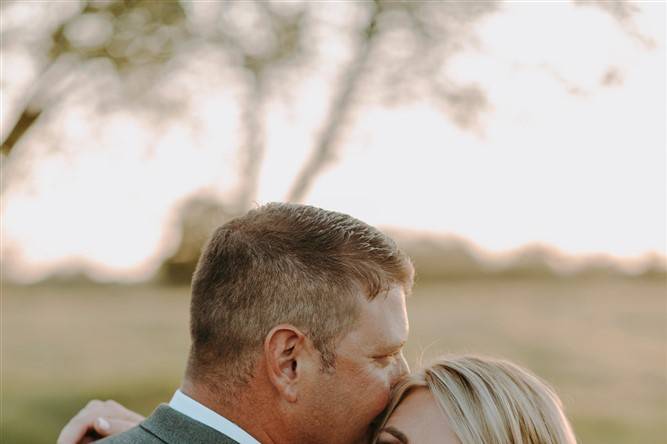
x,y
189,407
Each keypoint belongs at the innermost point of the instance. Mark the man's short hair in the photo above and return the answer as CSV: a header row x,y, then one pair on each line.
x,y
284,263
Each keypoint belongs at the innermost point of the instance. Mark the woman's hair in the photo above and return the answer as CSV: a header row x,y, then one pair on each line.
x,y
490,401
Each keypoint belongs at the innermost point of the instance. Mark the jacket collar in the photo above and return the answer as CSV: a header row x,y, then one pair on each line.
x,y
174,427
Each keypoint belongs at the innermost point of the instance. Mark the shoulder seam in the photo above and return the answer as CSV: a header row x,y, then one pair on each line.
x,y
152,434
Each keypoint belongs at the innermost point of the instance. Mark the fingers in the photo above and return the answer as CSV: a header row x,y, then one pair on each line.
x,y
114,410
102,417
108,426
75,430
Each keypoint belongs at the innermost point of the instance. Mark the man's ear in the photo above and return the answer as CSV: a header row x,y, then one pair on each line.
x,y
284,351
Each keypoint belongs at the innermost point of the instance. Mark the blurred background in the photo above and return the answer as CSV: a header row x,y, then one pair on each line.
x,y
515,150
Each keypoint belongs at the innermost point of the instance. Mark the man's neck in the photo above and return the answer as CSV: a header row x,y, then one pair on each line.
x,y
243,412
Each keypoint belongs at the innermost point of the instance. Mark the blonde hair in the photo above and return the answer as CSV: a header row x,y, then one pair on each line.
x,y
490,401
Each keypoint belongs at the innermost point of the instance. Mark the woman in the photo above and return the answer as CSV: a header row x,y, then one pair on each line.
x,y
473,400
456,400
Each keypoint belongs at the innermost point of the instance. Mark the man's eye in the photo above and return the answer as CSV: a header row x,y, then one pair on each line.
x,y
386,358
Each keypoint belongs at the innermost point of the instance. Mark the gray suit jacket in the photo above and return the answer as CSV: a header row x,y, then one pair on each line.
x,y
167,426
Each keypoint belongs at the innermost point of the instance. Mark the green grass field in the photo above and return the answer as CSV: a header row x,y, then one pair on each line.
x,y
601,342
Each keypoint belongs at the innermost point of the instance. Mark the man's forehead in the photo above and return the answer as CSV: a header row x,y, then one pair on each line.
x,y
390,303
385,317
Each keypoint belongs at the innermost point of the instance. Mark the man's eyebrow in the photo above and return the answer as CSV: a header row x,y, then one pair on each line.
x,y
393,431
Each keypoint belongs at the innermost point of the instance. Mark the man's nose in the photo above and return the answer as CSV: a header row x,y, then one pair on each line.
x,y
404,368
401,369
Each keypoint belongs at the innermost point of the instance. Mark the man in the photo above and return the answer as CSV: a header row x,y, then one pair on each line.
x,y
298,320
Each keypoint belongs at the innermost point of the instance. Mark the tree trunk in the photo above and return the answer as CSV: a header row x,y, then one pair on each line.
x,y
323,152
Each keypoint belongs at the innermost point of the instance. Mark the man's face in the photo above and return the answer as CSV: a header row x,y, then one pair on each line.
x,y
369,361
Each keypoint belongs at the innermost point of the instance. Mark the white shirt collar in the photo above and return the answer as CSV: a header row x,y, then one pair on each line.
x,y
189,407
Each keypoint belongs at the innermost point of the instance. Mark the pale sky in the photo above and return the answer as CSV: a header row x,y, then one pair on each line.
x,y
563,159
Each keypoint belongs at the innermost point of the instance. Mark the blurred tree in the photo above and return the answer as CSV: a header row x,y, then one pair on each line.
x,y
141,36
198,217
129,34
400,43
398,51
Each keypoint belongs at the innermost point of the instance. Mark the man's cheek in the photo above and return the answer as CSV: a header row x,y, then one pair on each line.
x,y
380,395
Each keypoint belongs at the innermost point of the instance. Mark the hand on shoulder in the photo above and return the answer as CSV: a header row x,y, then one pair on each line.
x,y
97,420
